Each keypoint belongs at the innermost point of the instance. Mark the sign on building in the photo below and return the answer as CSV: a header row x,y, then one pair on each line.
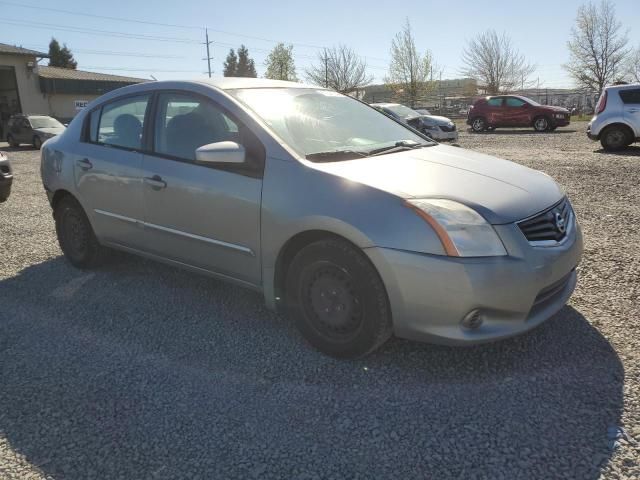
x,y
80,104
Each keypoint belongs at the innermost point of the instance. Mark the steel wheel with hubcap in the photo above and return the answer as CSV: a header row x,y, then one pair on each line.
x,y
337,299
478,124
541,124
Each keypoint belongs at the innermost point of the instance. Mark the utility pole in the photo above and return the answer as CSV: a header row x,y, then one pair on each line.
x,y
326,69
207,43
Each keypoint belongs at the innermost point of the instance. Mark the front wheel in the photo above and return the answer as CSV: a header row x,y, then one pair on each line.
x,y
75,234
37,143
478,124
337,299
541,124
12,141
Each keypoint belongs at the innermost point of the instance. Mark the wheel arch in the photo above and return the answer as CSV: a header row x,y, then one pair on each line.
x,y
617,123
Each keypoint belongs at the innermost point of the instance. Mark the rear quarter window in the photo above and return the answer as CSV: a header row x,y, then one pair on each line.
x,y
630,96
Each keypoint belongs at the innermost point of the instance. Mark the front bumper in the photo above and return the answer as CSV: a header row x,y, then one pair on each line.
x,y
441,136
430,294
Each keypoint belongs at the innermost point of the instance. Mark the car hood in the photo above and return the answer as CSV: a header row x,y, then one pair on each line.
x,y
555,109
50,130
435,120
500,190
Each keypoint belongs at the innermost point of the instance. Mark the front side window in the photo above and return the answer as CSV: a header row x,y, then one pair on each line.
x,y
494,102
630,96
514,102
121,122
185,122
314,121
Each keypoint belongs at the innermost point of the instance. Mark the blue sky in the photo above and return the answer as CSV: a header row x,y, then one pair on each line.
x,y
539,29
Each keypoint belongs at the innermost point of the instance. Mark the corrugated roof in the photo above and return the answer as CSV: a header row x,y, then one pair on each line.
x,y
58,73
13,50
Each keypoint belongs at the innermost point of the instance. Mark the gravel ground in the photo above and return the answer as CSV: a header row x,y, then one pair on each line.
x,y
138,370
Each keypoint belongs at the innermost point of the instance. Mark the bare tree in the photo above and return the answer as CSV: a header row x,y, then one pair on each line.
x,y
597,47
494,62
339,68
409,71
633,66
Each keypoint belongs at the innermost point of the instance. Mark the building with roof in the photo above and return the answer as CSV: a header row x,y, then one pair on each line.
x,y
26,87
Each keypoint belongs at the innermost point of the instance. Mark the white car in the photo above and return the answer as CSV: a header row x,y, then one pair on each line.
x,y
433,126
616,122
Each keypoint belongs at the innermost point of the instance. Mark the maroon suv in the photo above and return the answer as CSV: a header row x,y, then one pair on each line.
x,y
515,111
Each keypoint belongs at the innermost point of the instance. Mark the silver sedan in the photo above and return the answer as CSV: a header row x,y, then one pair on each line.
x,y
355,225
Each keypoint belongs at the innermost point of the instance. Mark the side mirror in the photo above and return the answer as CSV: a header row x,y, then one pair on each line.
x,y
221,152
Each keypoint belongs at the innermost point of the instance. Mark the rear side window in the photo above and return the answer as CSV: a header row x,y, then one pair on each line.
x,y
630,96
122,122
494,102
514,102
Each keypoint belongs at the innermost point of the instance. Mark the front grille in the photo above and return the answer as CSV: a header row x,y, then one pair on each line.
x,y
549,226
447,128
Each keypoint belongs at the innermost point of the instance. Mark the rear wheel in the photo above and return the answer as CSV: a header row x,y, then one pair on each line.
x,y
12,141
337,299
75,235
478,124
614,138
37,143
541,124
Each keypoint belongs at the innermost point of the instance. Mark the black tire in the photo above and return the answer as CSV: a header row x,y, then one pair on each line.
x,y
337,299
615,137
37,143
12,142
478,124
75,234
541,124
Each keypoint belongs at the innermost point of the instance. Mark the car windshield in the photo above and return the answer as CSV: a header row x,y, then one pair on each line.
x,y
322,125
44,122
402,111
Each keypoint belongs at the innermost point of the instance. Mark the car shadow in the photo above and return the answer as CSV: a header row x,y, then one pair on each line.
x,y
630,151
138,370
502,131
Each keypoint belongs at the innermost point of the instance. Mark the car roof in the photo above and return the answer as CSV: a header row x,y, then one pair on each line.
x,y
230,83
623,87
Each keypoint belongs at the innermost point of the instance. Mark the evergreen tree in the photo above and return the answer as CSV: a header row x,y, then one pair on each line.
x,y
231,64
61,57
246,65
280,65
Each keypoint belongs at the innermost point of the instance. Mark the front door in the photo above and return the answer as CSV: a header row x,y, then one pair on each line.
x,y
495,111
108,171
516,113
202,215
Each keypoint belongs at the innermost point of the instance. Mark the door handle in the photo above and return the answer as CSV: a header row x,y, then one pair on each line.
x,y
155,182
84,164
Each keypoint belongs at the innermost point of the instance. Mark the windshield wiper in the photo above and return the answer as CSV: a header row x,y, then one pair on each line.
x,y
399,147
336,155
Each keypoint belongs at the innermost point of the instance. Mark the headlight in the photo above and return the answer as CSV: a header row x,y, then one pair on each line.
x,y
462,231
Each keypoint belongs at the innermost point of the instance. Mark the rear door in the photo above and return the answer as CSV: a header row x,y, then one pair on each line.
x,y
495,113
205,216
108,170
631,105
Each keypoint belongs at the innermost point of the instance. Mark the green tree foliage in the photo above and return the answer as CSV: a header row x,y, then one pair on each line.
x,y
246,65
61,57
280,65
231,64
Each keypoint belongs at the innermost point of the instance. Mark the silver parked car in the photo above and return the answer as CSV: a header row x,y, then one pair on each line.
x,y
433,126
355,225
32,129
616,122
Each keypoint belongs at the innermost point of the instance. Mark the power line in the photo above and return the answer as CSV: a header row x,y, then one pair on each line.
x,y
108,52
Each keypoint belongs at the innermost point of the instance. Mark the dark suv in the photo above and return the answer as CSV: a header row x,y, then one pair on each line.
x,y
32,129
515,111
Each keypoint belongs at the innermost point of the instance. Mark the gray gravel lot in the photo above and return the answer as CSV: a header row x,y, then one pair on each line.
x,y
138,370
